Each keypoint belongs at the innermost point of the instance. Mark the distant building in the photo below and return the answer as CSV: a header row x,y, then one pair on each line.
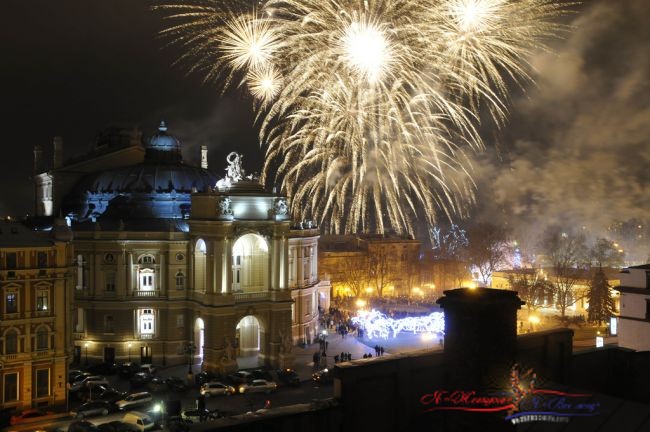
x,y
396,257
634,319
174,265
583,278
37,284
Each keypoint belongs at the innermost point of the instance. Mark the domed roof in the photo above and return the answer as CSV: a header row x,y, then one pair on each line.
x,y
162,141
159,187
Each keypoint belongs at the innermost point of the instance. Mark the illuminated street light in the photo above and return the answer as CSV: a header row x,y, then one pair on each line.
x,y
360,303
129,346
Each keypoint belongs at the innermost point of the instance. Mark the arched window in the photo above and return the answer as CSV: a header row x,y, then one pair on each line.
x,y
42,336
146,259
180,280
11,342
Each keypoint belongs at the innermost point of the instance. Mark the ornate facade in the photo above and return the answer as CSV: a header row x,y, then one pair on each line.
x,y
172,265
36,284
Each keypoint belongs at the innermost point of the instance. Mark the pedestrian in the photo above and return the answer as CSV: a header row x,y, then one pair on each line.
x,y
369,355
365,355
326,345
336,358
323,359
316,359
376,350
349,356
342,356
381,351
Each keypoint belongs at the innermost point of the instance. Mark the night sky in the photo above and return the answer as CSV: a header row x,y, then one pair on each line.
x,y
575,150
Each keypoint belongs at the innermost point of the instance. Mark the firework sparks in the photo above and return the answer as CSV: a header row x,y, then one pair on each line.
x,y
370,108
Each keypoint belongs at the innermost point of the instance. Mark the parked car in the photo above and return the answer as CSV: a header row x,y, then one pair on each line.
x,y
92,408
88,381
140,378
262,374
115,426
103,368
134,399
82,426
28,415
217,388
157,384
101,392
241,377
176,384
323,376
148,368
257,386
78,376
204,377
289,377
127,369
195,415
139,421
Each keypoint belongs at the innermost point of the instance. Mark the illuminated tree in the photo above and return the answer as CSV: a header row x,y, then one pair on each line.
x,y
531,286
449,255
601,303
381,269
565,252
487,249
355,273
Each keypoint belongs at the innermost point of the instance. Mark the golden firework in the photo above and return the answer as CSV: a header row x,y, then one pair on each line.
x,y
376,116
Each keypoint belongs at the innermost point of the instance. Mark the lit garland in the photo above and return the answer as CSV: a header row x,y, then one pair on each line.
x,y
376,324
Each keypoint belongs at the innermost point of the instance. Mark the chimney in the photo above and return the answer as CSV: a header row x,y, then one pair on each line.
x,y
38,159
480,348
58,152
204,157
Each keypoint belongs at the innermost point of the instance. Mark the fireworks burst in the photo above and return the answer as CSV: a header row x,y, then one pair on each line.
x,y
370,107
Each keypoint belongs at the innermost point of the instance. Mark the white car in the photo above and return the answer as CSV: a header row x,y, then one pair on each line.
x,y
217,388
139,421
148,368
258,386
88,381
134,399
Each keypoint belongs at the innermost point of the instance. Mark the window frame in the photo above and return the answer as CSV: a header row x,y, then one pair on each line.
x,y
4,387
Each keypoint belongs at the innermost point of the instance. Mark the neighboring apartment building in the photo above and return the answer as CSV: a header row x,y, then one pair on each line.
x,y
37,284
634,319
390,261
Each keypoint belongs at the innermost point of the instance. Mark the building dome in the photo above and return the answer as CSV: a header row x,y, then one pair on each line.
x,y
159,187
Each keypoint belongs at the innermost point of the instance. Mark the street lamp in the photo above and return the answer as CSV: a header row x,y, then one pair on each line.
x,y
86,346
129,346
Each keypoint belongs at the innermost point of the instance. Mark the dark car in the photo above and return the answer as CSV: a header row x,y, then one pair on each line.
x,y
103,368
204,377
82,426
101,392
241,377
323,376
261,374
115,426
176,384
93,408
126,370
157,384
139,379
289,377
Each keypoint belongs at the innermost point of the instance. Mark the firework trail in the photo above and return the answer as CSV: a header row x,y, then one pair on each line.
x,y
369,108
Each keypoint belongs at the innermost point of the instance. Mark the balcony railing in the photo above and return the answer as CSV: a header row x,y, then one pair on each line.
x,y
152,293
251,296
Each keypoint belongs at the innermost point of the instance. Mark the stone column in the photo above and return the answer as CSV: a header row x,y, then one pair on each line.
x,y
227,265
210,282
162,270
218,265
129,273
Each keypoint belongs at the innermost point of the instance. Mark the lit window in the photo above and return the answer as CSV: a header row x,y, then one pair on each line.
x,y
11,305
180,321
42,300
147,321
147,259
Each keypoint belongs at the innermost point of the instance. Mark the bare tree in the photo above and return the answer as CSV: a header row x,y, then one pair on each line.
x,y
355,273
381,266
605,254
531,286
487,249
564,251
